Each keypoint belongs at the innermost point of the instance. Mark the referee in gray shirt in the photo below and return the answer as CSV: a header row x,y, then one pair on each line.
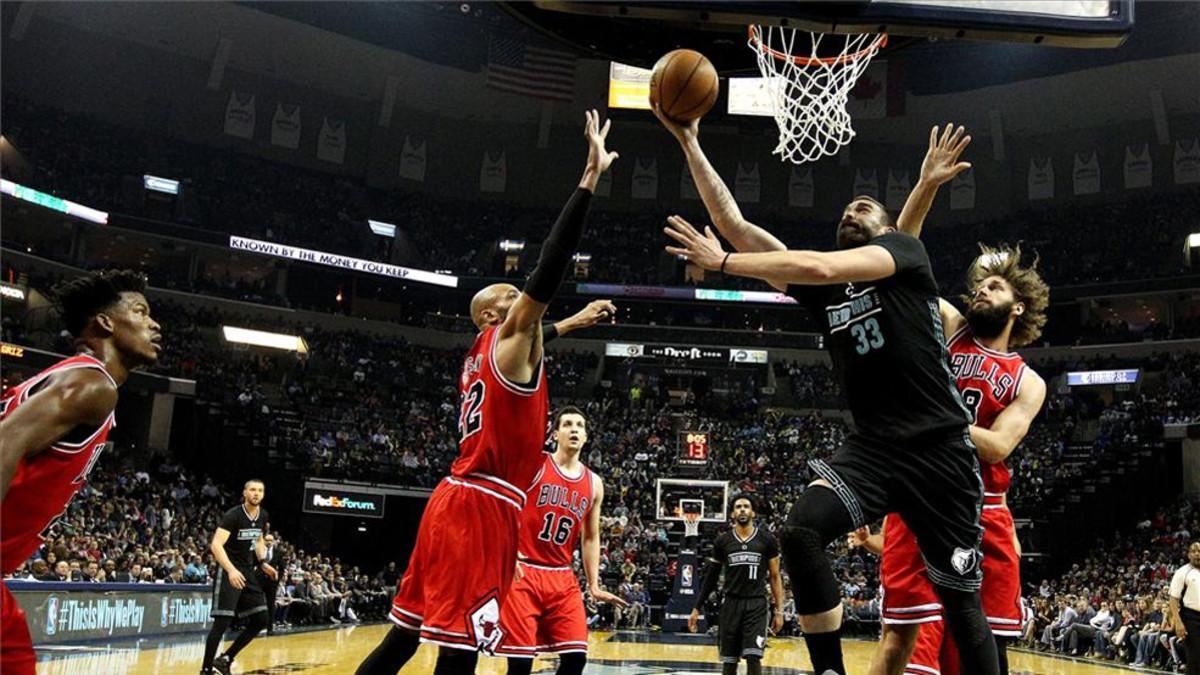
x,y
1185,605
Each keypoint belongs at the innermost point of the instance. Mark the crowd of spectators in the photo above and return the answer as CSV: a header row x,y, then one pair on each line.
x,y
1112,604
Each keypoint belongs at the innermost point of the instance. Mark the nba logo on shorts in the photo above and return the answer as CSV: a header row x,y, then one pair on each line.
x,y
963,560
51,614
163,618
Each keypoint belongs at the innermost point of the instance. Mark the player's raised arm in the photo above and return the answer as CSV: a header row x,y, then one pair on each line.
x,y
82,396
520,338
591,547
595,312
997,443
864,263
718,200
939,167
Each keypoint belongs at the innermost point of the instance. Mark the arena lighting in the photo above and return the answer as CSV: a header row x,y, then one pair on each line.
x,y
12,292
582,257
261,338
163,185
512,245
382,229
51,202
1194,240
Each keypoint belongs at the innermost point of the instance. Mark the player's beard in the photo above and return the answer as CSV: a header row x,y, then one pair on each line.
x,y
743,520
989,321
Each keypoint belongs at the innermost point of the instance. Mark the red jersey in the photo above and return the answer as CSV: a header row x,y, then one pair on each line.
x,y
553,515
501,424
988,381
44,484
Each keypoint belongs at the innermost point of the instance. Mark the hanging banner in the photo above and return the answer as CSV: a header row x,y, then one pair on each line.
x,y
493,173
866,182
645,178
285,126
331,143
1187,161
747,184
962,191
412,159
800,187
1139,167
1041,179
239,115
1086,173
898,187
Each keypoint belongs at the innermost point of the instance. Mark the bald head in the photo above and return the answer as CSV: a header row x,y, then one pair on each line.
x,y
490,305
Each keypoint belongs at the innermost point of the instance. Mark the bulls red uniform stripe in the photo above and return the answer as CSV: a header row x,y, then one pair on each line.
x,y
544,610
988,381
462,566
39,493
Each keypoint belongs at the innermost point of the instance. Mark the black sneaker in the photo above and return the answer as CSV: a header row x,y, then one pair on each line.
x,y
222,664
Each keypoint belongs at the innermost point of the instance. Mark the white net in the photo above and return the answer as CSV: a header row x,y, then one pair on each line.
x,y
691,524
808,92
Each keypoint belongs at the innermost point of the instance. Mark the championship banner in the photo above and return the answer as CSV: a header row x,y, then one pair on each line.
x,y
240,116
866,183
645,178
898,187
1041,179
276,250
1187,161
331,143
69,612
493,173
412,159
285,126
962,191
800,187
1139,166
1086,173
747,184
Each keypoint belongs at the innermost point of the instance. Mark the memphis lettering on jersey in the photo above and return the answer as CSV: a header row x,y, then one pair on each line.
x,y
91,615
858,307
976,367
557,495
744,558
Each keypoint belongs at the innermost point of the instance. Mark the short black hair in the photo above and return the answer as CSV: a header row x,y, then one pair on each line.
x,y
741,497
567,410
254,480
887,217
81,299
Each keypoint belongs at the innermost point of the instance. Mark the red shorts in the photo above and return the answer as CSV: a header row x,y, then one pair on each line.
x,y
16,646
543,614
463,564
907,595
1001,571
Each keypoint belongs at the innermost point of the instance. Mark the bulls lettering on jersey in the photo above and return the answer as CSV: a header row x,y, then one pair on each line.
x,y
553,516
988,381
502,424
45,483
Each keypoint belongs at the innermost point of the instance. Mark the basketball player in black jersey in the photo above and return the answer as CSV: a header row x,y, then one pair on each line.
x,y
911,452
748,555
239,548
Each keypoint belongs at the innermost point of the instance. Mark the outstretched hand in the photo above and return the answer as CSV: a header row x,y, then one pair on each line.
x,y
684,132
702,250
941,160
599,158
858,537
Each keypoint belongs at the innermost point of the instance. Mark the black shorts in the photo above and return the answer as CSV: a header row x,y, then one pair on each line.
x,y
230,601
743,629
933,481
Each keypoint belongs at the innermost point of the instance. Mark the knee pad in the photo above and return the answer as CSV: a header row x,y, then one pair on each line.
x,y
570,664
814,586
819,509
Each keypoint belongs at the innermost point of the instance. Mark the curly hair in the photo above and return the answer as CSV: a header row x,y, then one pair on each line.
x,y
81,299
1028,288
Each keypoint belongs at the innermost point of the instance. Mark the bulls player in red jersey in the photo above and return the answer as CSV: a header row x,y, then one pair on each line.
x,y
462,565
1005,308
54,425
544,613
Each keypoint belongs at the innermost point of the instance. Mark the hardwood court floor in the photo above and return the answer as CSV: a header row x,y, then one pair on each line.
x,y
338,651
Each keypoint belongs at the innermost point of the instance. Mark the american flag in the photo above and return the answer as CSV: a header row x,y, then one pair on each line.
x,y
519,68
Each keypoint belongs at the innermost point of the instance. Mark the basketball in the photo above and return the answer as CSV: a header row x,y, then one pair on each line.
x,y
685,84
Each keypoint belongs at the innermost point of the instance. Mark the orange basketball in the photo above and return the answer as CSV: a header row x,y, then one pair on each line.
x,y
685,84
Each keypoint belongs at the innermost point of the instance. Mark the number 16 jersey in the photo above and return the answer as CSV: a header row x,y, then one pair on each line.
x,y
553,516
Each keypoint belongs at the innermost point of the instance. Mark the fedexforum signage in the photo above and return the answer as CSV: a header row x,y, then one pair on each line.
x,y
335,501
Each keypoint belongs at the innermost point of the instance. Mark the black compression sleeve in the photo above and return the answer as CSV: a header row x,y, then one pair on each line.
x,y
558,248
712,574
549,332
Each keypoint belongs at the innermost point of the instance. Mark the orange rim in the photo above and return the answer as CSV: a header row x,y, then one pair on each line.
x,y
879,43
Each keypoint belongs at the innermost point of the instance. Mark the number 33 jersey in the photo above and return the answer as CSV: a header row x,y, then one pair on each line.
x,y
553,516
501,424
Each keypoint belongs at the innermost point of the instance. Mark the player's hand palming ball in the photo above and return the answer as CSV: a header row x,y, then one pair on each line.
x,y
684,85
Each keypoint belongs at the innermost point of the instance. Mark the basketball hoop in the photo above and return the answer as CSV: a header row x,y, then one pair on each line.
x,y
691,524
809,92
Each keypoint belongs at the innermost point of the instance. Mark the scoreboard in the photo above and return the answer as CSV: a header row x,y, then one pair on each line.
x,y
693,448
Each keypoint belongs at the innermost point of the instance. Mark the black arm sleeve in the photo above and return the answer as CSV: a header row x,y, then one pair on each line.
x,y
712,575
558,248
549,332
